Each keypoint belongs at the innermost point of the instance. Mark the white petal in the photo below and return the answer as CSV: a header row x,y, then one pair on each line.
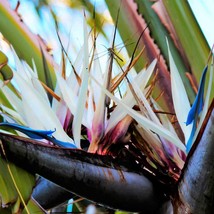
x,y
179,97
146,123
78,115
141,79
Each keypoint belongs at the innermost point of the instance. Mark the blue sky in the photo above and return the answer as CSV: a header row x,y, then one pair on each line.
x,y
204,11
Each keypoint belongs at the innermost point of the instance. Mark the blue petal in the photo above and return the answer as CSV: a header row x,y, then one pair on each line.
x,y
39,134
32,133
196,109
190,140
198,103
61,143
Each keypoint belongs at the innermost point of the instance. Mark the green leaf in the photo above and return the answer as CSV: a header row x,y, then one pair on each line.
x,y
6,73
3,59
131,25
5,70
190,36
11,191
5,210
127,29
26,44
158,32
33,207
189,33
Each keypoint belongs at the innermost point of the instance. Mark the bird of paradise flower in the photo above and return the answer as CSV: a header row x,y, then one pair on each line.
x,y
78,110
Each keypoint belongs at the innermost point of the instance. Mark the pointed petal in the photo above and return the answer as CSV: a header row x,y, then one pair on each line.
x,y
196,109
207,99
141,79
146,123
78,115
11,115
45,118
195,131
198,103
32,133
179,96
39,134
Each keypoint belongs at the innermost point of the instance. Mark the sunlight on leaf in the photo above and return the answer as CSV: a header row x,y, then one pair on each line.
x,y
11,183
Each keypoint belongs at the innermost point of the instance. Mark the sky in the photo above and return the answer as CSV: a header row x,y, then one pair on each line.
x,y
204,12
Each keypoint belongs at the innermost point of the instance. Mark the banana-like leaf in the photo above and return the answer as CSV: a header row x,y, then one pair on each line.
x,y
192,41
159,33
189,56
27,45
128,28
189,33
33,207
5,211
131,25
12,185
103,179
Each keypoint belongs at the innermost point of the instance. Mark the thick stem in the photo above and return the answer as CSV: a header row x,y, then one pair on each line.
x,y
196,188
98,178
45,188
